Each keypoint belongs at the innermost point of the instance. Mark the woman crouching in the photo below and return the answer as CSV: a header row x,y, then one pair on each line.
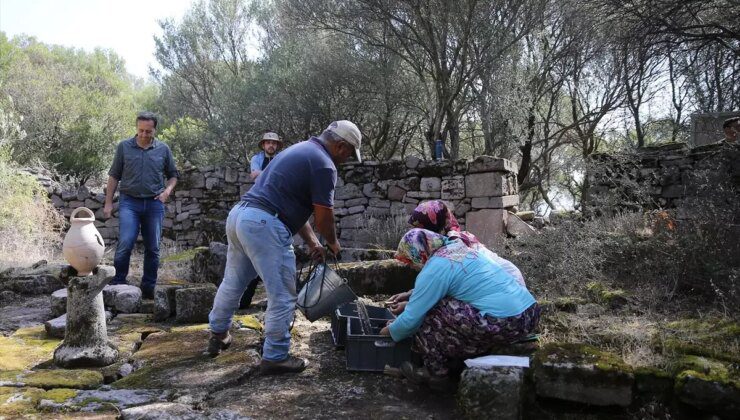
x,y
463,304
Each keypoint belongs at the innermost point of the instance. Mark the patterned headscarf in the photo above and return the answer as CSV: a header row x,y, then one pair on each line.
x,y
436,216
419,245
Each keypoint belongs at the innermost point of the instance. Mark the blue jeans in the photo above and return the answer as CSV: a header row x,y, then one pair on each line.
x,y
259,245
135,213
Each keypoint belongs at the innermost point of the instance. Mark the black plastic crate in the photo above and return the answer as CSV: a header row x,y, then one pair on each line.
x,y
371,353
340,315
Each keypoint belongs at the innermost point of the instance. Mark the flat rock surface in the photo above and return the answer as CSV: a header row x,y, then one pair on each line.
x,y
23,312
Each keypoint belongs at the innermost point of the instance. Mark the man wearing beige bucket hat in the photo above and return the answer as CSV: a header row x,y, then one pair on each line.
x,y
270,145
299,182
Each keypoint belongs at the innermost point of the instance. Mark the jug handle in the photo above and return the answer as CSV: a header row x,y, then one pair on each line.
x,y
77,210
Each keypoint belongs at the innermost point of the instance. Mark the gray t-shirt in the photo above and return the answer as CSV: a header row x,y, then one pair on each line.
x,y
141,173
296,179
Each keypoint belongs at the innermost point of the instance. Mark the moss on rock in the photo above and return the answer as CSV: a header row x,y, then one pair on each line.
x,y
26,348
17,402
63,378
604,295
582,373
248,321
184,255
59,395
714,338
175,360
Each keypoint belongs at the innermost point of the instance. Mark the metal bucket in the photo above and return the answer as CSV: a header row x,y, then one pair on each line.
x,y
323,292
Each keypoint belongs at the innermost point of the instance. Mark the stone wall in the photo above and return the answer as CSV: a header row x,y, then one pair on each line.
x,y
661,177
707,128
372,199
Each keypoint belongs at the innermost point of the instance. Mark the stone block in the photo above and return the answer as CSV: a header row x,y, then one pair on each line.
x,y
356,209
59,302
430,184
378,212
412,162
486,184
92,204
453,188
212,183
494,202
491,164
376,202
517,227
435,168
352,222
424,195
494,393
164,301
489,225
347,192
527,216
57,201
55,327
209,264
124,298
372,190
355,202
584,374
231,175
69,195
396,193
193,304
709,392
378,277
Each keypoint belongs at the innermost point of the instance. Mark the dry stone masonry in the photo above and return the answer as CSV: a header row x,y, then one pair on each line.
x,y
370,197
662,176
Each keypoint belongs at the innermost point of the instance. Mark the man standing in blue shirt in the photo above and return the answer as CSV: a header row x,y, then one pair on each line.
x,y
270,145
299,182
139,169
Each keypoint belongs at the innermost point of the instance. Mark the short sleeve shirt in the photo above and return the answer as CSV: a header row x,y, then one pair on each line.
x,y
298,178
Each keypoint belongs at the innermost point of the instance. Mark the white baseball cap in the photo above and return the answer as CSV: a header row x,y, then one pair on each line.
x,y
348,131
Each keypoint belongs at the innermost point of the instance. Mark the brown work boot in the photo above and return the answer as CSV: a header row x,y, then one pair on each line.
x,y
217,343
291,364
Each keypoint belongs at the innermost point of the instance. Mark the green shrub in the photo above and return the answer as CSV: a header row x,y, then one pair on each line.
x,y
29,224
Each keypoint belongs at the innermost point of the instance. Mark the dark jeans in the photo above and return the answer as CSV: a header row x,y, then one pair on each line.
x,y
135,213
246,300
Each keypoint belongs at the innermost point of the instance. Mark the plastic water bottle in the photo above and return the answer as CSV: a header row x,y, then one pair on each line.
x,y
439,149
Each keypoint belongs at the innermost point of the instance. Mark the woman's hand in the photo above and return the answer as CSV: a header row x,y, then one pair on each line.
x,y
385,331
397,308
400,297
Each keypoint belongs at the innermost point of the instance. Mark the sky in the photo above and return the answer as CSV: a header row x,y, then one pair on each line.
x,y
127,27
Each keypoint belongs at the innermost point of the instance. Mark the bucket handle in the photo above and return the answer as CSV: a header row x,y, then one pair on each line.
x,y
72,217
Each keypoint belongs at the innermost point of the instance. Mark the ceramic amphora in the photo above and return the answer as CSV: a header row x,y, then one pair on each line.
x,y
83,246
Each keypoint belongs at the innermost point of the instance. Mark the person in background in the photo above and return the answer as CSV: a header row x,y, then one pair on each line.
x,y
139,170
731,128
463,304
299,182
436,215
270,145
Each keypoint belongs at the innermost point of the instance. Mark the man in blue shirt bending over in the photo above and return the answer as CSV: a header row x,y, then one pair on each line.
x,y
298,182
